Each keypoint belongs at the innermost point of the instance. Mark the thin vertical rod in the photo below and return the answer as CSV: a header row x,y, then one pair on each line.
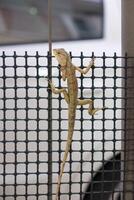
x,y
49,133
50,101
50,26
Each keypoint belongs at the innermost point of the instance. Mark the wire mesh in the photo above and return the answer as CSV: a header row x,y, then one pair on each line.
x,y
33,130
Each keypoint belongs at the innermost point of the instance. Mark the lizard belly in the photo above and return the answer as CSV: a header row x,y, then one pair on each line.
x,y
72,110
73,95
72,89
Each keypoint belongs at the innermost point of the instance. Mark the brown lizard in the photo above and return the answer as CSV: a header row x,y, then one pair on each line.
x,y
68,70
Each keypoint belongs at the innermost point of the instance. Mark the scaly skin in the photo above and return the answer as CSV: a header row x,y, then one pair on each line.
x,y
71,96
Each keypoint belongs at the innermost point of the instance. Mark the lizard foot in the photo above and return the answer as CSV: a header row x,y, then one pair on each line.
x,y
94,111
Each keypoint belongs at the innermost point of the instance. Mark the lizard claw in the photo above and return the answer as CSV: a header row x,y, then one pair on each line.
x,y
95,111
92,61
47,79
49,83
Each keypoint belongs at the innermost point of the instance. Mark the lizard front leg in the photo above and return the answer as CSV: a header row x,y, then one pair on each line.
x,y
86,69
58,91
91,109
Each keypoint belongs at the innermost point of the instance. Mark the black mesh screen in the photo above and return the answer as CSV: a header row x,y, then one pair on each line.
x,y
33,130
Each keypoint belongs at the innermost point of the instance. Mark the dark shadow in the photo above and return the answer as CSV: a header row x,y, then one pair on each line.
x,y
105,181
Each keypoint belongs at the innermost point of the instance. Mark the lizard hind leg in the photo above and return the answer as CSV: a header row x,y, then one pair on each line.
x,y
91,109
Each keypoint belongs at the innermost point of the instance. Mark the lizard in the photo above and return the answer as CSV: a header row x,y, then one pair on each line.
x,y
68,71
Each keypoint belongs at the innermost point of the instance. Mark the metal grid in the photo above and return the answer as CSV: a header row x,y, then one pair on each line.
x,y
33,130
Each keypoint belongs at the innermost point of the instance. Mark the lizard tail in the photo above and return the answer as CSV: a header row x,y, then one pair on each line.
x,y
68,144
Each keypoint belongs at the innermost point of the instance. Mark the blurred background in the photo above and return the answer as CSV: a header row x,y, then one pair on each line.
x,y
27,20
77,25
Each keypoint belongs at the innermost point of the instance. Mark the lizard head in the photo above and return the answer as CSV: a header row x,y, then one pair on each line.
x,y
62,57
